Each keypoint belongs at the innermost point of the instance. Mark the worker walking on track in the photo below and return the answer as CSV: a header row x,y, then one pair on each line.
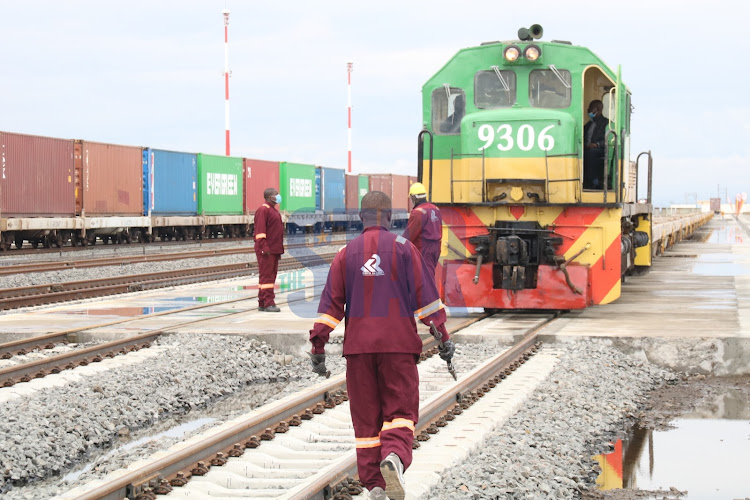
x,y
269,245
380,283
425,227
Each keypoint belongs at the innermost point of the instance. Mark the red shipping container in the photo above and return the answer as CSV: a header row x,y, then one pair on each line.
x,y
259,175
395,186
38,176
352,193
109,179
382,182
412,180
400,198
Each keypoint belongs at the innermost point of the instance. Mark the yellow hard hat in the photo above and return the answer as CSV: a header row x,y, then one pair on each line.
x,y
417,189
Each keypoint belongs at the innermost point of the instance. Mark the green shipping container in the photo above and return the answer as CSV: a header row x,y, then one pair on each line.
x,y
297,182
364,187
219,185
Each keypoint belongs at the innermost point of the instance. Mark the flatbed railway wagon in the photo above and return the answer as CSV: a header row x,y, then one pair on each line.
x,y
502,155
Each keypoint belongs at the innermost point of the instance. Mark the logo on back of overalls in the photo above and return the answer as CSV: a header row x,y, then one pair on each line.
x,y
433,216
372,266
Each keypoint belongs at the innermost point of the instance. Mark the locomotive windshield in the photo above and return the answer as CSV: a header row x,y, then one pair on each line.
x,y
494,89
448,108
549,88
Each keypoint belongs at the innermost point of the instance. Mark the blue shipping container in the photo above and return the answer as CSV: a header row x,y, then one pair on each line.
x,y
332,189
169,183
318,201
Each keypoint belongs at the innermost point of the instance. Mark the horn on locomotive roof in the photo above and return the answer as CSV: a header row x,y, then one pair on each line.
x,y
534,32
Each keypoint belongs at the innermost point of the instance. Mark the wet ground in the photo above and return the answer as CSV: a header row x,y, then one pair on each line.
x,y
691,441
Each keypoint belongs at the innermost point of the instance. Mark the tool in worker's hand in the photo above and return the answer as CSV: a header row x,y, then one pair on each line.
x,y
438,336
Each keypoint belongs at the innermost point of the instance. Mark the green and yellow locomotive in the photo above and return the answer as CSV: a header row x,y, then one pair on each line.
x,y
536,216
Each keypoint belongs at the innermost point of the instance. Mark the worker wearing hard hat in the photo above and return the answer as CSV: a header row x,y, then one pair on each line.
x,y
425,227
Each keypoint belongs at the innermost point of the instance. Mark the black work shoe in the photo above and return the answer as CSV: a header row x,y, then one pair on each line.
x,y
261,309
393,472
272,309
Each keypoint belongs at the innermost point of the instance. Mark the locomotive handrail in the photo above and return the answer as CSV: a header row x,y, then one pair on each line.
x,y
420,157
621,170
482,180
548,180
650,164
606,161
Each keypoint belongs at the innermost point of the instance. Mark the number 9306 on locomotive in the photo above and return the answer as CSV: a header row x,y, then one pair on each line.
x,y
526,150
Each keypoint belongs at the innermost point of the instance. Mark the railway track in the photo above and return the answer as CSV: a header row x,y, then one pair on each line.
x,y
25,372
12,298
87,263
302,446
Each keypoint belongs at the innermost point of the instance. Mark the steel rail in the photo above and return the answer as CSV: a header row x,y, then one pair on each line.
x,y
24,346
81,357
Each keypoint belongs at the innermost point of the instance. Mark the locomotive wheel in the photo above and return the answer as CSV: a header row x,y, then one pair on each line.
x,y
19,240
91,239
57,239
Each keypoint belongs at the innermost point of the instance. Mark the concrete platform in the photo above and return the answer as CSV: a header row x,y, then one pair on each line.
x,y
697,289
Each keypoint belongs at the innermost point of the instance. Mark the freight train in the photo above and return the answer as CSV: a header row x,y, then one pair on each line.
x,y
54,191
502,154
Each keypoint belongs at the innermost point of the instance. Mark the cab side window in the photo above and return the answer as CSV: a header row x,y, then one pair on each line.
x,y
494,89
549,88
448,108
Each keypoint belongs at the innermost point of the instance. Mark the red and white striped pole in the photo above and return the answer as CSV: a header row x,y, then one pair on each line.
x,y
225,12
349,69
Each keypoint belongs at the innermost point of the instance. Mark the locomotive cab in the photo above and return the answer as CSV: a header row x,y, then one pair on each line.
x,y
523,226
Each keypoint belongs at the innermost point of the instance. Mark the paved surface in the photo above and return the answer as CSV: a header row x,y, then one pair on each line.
x,y
697,289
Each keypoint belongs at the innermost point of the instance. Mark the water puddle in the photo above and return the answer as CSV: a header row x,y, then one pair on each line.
x,y
725,234
706,454
707,457
174,432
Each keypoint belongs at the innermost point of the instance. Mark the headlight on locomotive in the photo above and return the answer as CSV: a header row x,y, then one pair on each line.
x,y
512,53
532,53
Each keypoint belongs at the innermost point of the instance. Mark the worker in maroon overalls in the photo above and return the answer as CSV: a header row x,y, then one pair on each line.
x,y
269,245
379,283
425,227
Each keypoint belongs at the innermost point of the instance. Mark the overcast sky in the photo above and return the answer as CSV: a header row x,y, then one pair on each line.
x,y
150,73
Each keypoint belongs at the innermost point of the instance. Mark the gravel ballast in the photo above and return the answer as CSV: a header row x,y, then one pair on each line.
x,y
56,428
545,450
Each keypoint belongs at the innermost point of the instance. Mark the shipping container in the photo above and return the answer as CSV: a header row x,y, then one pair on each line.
x,y
169,182
38,176
381,182
109,179
395,186
259,175
219,185
412,180
715,205
331,195
400,198
318,189
356,187
297,187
